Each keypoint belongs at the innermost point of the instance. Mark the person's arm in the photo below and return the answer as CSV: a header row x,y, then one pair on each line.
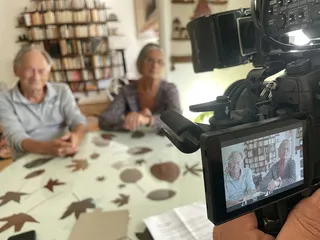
x,y
76,121
16,136
291,170
113,117
250,187
265,181
171,101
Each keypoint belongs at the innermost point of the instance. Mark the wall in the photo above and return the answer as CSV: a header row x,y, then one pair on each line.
x,y
9,10
197,88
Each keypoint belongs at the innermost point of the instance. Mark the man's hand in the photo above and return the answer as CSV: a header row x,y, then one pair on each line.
x,y
72,138
59,148
134,120
302,223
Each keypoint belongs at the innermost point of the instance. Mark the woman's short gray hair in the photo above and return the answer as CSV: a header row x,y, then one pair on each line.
x,y
142,55
28,48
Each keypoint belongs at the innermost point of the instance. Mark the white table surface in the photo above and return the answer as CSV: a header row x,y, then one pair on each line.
x,y
109,162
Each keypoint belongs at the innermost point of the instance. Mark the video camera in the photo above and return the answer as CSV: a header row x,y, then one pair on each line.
x,y
259,152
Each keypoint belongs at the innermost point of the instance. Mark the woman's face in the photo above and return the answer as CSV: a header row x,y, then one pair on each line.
x,y
153,64
285,151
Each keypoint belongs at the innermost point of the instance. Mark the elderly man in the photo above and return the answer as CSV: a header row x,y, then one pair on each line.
x,y
238,181
38,116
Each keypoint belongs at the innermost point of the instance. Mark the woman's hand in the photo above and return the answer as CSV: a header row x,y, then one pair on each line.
x,y
303,223
134,120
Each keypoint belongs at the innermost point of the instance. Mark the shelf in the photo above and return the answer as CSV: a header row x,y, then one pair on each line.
x,y
57,39
66,10
180,39
179,59
64,24
183,1
218,2
85,81
85,68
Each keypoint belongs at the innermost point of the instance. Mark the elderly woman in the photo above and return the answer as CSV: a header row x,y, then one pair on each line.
x,y
141,102
283,172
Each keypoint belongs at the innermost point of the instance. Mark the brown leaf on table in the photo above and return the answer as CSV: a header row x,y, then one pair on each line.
x,y
101,179
100,142
167,171
11,196
17,221
34,174
137,134
139,150
121,200
121,186
37,162
117,165
140,162
146,235
78,207
78,164
131,175
51,183
107,136
161,194
94,156
194,169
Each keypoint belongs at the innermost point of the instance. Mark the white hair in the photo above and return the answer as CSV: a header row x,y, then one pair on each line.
x,y
29,48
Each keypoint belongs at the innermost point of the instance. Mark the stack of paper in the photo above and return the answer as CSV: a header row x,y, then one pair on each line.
x,y
101,226
188,223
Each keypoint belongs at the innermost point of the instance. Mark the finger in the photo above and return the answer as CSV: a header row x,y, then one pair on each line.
x,y
63,144
304,220
65,137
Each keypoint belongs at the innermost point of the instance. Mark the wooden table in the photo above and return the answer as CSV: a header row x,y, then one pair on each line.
x,y
142,173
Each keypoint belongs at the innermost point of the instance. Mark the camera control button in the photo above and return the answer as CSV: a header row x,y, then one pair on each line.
x,y
281,21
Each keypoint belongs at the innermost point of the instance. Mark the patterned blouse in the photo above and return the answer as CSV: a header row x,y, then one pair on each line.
x,y
127,101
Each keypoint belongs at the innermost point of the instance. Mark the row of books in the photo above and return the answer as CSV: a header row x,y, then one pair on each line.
x,y
65,4
55,32
82,75
92,46
64,17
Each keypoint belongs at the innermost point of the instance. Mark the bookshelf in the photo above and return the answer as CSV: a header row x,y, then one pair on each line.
x,y
77,34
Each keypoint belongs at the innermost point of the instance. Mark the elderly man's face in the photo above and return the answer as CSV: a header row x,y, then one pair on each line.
x,y
33,71
236,164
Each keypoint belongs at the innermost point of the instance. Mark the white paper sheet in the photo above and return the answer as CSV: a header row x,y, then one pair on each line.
x,y
186,223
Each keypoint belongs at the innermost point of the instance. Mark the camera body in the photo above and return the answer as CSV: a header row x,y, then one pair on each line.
x,y
259,152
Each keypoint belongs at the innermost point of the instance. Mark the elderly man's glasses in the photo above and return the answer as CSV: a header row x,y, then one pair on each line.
x,y
153,61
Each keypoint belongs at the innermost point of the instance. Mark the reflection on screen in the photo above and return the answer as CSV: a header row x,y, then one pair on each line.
x,y
261,167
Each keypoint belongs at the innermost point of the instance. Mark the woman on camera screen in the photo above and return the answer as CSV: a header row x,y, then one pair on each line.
x,y
283,172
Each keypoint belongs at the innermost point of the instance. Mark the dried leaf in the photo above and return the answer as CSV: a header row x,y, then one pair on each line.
x,y
78,207
51,183
17,221
193,169
34,174
146,235
137,134
37,162
121,186
11,196
101,179
139,150
140,162
94,156
161,194
168,171
78,164
117,165
107,136
122,200
100,142
131,175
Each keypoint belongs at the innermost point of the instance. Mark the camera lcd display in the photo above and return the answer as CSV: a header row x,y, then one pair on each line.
x,y
262,165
